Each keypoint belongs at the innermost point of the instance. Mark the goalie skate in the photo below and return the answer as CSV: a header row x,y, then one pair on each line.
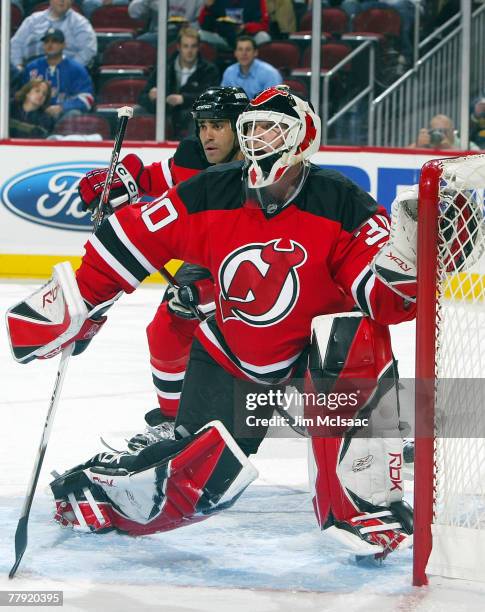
x,y
375,533
158,427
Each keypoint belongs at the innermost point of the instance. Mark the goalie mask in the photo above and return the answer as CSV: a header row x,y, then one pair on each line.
x,y
277,131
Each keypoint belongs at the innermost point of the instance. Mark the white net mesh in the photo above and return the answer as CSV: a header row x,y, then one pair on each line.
x,y
460,364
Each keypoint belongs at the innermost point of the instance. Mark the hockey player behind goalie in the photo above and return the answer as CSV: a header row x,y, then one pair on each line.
x,y
172,329
285,241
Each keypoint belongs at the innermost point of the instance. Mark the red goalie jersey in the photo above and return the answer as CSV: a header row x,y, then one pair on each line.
x,y
273,273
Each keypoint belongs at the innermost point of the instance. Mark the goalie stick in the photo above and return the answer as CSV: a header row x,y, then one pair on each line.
x,y
124,113
21,533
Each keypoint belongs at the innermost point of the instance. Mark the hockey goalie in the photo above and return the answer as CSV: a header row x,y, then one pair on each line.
x,y
285,242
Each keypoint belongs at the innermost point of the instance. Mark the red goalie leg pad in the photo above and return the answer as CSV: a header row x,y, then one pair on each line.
x,y
351,366
208,475
169,341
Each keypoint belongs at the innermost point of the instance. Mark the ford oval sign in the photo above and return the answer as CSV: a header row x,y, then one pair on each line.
x,y
48,195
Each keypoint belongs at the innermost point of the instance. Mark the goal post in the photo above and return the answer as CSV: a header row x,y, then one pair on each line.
x,y
449,487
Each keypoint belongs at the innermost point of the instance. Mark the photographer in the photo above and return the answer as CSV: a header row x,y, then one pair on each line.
x,y
440,134
477,122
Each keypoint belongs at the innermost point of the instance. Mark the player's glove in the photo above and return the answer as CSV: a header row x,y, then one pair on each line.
x,y
395,263
130,178
183,301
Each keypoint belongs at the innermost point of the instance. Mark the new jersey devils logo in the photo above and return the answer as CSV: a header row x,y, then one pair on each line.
x,y
259,283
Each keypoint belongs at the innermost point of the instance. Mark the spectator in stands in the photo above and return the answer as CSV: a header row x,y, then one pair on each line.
x,y
28,118
282,17
188,10
72,87
188,75
440,134
250,73
477,122
81,38
225,20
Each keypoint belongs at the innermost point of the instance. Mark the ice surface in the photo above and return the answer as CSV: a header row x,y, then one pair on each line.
x,y
265,554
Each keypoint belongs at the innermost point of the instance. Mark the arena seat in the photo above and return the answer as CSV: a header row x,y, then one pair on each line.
x,y
115,18
119,92
334,21
283,55
377,21
84,124
141,128
128,58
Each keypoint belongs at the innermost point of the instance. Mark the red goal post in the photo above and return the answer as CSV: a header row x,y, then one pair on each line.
x,y
449,489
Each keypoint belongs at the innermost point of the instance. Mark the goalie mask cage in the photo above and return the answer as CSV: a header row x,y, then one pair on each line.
x,y
449,493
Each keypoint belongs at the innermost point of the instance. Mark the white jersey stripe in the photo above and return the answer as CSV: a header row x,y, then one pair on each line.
x,y
168,396
120,232
113,262
242,365
168,375
368,289
166,172
356,283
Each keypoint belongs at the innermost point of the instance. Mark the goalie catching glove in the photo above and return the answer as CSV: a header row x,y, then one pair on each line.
x,y
395,263
129,181
54,317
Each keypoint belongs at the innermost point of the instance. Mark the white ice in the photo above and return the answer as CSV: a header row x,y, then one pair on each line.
x,y
265,554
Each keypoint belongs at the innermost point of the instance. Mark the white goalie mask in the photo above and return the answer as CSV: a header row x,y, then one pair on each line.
x,y
276,131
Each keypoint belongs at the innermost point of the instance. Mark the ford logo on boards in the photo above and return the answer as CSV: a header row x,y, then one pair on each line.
x,y
48,195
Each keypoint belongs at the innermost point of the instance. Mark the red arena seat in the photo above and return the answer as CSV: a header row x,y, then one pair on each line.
x,y
382,21
297,87
330,55
128,56
117,92
141,128
282,55
115,18
334,21
84,124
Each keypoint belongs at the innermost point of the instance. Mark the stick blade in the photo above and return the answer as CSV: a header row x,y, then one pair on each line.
x,y
20,543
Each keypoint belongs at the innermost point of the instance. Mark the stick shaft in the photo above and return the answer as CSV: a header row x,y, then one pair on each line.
x,y
21,532
103,207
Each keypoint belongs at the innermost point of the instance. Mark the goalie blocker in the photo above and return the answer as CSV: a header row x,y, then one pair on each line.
x,y
53,317
167,485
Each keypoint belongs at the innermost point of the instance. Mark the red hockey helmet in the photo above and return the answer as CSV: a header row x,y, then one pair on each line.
x,y
277,131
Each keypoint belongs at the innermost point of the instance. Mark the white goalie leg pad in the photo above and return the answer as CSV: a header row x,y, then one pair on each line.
x,y
371,467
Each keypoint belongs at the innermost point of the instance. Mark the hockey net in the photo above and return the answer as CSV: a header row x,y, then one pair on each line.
x,y
449,537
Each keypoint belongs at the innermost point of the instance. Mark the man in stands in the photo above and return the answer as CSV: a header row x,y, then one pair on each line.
x,y
284,241
250,73
171,332
81,44
71,86
186,11
188,75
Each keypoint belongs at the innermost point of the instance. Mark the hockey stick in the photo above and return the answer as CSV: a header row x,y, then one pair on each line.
x,y
21,532
124,113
